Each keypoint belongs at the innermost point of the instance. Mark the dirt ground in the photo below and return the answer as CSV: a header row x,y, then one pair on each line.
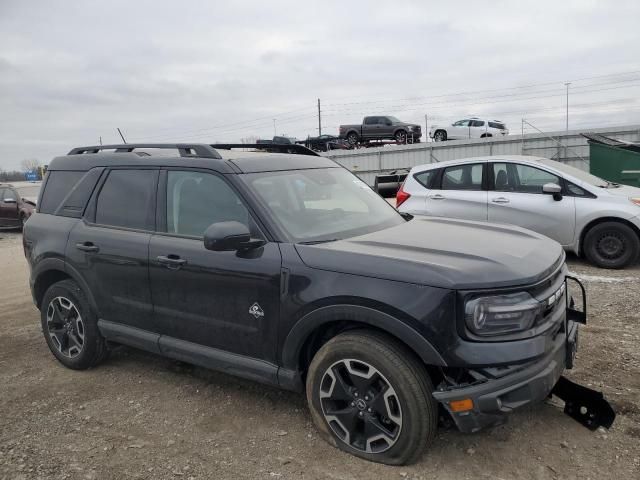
x,y
142,416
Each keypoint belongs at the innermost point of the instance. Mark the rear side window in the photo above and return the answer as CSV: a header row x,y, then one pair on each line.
x,y
497,125
463,177
59,184
477,123
127,199
371,121
426,178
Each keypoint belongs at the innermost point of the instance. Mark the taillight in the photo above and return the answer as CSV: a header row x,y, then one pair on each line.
x,y
401,196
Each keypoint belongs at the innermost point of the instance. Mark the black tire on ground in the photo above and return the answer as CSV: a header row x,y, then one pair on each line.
x,y
612,245
440,136
351,411
63,303
401,136
353,138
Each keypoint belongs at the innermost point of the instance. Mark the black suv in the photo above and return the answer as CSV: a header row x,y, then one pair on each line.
x,y
289,270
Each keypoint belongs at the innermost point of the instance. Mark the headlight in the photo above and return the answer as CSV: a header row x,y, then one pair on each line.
x,y
635,200
501,314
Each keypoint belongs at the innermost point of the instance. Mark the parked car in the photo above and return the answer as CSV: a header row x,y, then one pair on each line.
x,y
324,143
291,271
473,127
17,202
381,128
585,214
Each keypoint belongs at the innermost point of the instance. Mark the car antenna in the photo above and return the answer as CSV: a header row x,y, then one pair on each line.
x,y
121,135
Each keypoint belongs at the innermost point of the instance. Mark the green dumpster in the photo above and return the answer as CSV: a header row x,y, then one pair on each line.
x,y
614,160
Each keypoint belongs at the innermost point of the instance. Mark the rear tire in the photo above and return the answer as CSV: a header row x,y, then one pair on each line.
x,y
612,245
440,136
371,397
70,327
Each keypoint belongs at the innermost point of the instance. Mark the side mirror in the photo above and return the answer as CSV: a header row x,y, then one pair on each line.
x,y
553,189
9,200
229,236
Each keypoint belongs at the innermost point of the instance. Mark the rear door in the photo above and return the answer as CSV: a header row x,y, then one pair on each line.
x,y
477,128
461,193
372,127
110,247
516,198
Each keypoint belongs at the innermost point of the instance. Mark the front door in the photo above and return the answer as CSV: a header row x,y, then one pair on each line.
x,y
516,198
109,247
461,193
225,300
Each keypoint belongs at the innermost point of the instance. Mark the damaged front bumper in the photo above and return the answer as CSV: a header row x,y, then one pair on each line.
x,y
491,398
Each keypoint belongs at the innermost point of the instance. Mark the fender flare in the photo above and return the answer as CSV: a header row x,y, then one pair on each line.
x,y
301,331
57,264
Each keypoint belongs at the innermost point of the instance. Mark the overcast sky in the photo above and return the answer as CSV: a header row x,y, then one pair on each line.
x,y
205,71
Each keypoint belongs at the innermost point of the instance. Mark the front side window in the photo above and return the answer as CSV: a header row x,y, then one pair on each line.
x,y
127,199
321,204
195,200
463,177
515,177
461,123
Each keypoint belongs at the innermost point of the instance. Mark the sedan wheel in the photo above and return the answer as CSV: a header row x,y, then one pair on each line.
x,y
440,136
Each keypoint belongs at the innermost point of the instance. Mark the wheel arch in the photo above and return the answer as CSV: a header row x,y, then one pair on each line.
x,y
55,270
322,324
600,220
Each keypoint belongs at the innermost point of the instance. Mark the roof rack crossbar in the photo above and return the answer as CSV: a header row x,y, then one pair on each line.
x,y
268,147
185,149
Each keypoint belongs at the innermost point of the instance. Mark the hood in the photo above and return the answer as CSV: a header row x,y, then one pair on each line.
x,y
624,191
446,253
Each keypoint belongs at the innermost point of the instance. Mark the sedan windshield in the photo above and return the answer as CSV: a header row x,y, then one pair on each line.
x,y
322,205
579,174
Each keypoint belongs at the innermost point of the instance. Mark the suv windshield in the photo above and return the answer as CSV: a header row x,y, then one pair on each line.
x,y
579,174
322,204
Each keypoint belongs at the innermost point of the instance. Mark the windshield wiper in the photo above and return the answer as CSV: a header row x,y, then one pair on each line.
x,y
315,242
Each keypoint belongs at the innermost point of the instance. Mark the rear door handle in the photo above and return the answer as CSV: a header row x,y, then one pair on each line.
x,y
437,196
173,262
500,200
87,247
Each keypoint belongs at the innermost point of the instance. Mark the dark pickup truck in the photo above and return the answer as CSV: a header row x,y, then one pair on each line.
x,y
381,128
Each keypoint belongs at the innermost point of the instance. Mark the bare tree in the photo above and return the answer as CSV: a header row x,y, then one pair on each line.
x,y
29,164
249,139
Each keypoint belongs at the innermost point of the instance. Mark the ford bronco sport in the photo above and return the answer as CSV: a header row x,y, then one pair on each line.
x,y
287,269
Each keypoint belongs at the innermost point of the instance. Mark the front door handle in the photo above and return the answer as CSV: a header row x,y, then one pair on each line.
x,y
437,196
87,247
172,262
500,200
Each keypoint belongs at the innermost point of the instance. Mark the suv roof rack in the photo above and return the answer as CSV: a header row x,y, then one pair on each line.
x,y
185,149
269,147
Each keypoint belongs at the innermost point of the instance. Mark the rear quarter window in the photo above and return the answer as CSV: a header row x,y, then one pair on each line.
x,y
57,187
426,178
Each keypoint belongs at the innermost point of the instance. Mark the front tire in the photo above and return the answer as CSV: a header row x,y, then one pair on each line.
x,y
70,327
401,136
612,245
371,397
440,136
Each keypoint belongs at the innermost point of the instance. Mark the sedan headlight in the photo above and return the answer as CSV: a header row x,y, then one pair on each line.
x,y
502,314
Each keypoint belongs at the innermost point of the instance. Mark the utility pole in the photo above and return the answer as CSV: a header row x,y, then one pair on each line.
x,y
567,124
319,120
426,128
121,135
100,139
274,127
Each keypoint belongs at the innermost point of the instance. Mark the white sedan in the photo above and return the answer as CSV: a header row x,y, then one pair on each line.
x,y
585,214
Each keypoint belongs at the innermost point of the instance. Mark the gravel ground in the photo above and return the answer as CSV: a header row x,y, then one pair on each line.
x,y
142,416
